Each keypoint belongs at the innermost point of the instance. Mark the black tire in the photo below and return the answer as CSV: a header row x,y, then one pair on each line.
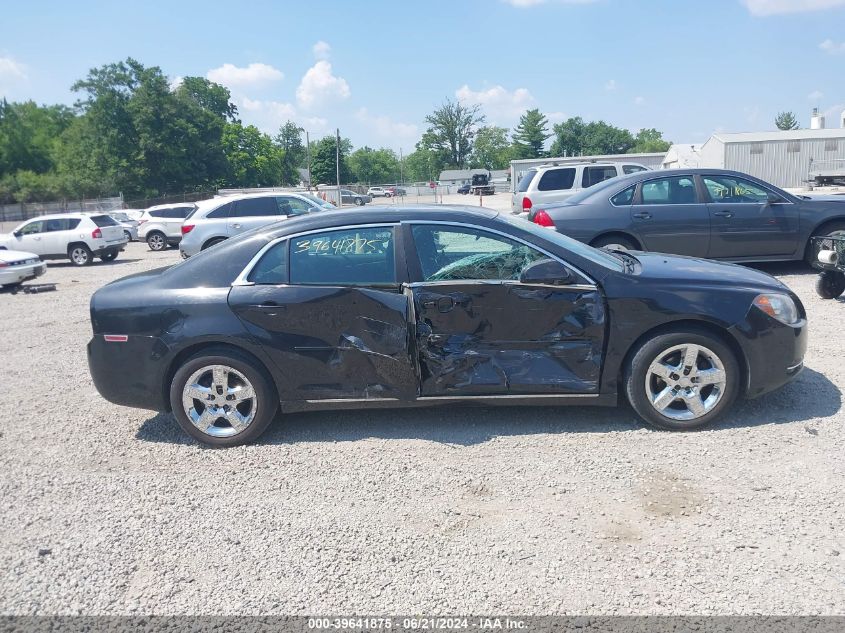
x,y
659,347
80,255
834,229
109,257
359,202
156,241
12,286
128,236
212,242
830,284
266,401
615,240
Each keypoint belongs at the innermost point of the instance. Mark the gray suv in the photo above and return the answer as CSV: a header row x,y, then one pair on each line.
x,y
221,218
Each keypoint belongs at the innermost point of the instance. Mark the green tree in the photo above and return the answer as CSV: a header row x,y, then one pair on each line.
x,y
28,135
531,134
491,149
374,166
289,139
649,140
786,121
423,165
254,161
324,161
573,137
451,130
209,96
569,137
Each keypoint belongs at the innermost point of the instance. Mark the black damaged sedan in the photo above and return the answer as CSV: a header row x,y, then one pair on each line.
x,y
426,306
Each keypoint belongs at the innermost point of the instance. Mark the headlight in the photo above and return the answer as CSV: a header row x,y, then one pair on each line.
x,y
778,306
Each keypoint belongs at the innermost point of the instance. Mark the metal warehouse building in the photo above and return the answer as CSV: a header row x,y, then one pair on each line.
x,y
783,158
519,167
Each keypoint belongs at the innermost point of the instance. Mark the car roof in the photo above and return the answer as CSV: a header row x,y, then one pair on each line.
x,y
169,206
58,216
375,215
583,164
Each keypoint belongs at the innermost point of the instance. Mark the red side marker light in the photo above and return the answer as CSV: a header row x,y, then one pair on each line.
x,y
115,338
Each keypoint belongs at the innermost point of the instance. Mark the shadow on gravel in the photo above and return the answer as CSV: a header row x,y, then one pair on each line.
x,y
97,263
810,396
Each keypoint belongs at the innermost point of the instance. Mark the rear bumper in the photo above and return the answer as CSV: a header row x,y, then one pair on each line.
x,y
130,372
774,352
109,247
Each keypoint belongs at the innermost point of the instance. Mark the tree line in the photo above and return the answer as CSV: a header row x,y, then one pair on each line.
x,y
131,132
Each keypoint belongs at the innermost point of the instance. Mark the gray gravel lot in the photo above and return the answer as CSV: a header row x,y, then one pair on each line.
x,y
109,510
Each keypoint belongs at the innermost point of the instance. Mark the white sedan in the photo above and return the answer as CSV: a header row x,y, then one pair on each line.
x,y
17,267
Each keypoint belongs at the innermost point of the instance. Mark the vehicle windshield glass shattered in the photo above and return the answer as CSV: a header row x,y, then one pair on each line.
x,y
595,255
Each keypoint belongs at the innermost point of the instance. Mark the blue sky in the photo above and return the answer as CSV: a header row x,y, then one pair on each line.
x,y
376,68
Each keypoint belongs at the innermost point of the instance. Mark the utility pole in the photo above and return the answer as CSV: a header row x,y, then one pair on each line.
x,y
308,158
337,166
401,176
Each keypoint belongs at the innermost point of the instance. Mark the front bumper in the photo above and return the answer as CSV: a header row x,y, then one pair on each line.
x,y
774,352
24,272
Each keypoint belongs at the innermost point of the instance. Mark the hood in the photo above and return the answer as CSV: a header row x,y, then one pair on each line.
x,y
826,197
16,256
679,268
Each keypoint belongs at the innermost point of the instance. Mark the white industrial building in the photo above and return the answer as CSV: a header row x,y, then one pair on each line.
x,y
682,156
784,158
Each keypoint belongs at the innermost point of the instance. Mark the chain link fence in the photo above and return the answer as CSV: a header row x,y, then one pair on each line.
x,y
15,213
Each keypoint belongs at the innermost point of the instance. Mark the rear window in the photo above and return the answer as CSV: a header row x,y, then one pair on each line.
x,y
103,220
221,211
624,197
525,181
632,169
556,179
272,268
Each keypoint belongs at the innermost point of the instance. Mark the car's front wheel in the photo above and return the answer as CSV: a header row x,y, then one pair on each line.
x,y
359,202
80,255
222,398
682,380
156,241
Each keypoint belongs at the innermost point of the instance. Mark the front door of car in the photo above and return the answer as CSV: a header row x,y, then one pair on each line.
x,y
32,237
668,217
747,220
486,326
329,309
251,213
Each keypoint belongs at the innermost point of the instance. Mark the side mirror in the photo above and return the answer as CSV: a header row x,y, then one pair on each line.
x,y
17,233
548,272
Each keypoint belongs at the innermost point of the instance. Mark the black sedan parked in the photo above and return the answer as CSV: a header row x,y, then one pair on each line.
x,y
711,213
422,306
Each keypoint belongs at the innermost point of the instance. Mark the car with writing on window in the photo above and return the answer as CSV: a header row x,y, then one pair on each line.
x,y
714,213
79,237
161,226
422,306
220,218
547,184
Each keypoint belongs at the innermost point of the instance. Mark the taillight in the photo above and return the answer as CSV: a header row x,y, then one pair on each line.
x,y
543,219
526,204
140,222
187,228
96,234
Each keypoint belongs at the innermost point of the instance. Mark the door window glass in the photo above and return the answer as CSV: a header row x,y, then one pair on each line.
x,y
447,253
676,190
624,197
60,224
357,257
556,179
32,228
734,190
221,211
595,175
253,207
272,268
292,206
183,212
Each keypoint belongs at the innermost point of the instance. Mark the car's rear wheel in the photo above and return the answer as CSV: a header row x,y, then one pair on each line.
x,y
128,236
222,398
156,241
682,380
830,284
213,242
109,257
614,243
80,255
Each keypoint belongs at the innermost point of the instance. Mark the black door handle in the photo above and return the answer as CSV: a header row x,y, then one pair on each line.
x,y
643,215
724,214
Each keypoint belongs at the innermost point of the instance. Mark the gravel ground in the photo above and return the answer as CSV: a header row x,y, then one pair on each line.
x,y
109,510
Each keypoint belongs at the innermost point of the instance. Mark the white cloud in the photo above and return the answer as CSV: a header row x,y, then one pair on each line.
x,y
557,117
316,126
385,128
175,82
524,4
816,95
11,70
610,86
319,85
321,50
639,100
833,48
255,74
776,7
267,116
497,102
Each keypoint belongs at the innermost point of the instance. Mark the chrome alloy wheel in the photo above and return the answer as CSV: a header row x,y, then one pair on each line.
x,y
219,401
156,242
685,382
79,255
